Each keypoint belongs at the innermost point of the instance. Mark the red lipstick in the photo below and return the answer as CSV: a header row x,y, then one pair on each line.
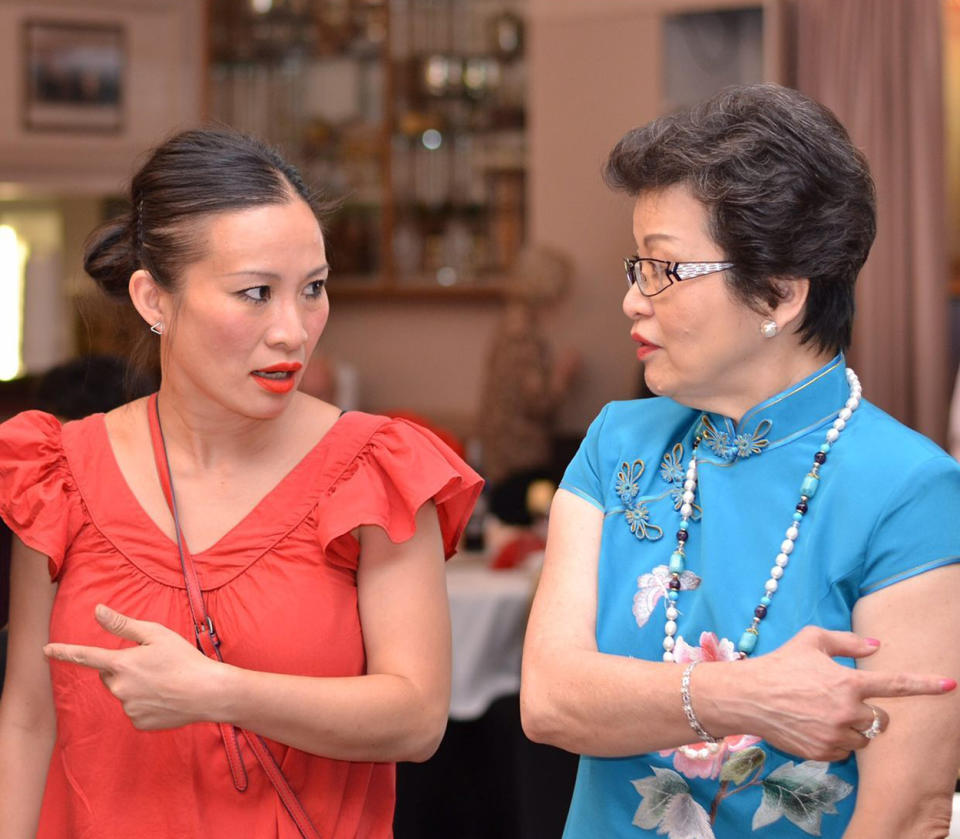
x,y
278,378
645,347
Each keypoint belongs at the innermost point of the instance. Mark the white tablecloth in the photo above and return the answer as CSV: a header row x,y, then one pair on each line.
x,y
488,614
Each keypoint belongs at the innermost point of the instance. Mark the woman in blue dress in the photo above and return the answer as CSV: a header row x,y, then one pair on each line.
x,y
746,623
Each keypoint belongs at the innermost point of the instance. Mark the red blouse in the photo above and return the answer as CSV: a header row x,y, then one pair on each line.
x,y
282,586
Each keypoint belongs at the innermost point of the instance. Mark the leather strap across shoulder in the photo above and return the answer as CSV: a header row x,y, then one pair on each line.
x,y
209,643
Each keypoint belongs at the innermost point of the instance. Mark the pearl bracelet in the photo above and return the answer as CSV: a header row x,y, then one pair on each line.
x,y
688,705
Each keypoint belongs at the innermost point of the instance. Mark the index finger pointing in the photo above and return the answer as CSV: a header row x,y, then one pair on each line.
x,y
94,657
878,683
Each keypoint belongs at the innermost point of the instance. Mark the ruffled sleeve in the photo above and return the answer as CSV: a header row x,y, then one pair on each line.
x,y
398,468
39,499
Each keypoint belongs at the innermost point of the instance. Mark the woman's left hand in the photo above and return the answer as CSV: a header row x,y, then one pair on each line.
x,y
157,681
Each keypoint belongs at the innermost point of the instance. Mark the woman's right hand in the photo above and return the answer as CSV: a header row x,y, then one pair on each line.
x,y
800,700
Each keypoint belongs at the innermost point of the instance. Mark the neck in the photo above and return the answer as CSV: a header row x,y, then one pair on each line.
x,y
749,387
206,435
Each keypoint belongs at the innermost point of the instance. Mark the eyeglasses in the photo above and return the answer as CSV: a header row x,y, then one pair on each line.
x,y
651,276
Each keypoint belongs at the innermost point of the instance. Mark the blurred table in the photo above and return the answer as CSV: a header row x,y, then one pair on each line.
x,y
488,618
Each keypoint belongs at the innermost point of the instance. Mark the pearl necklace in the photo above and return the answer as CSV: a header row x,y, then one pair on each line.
x,y
677,565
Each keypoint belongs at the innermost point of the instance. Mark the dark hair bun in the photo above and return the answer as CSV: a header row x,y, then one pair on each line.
x,y
108,257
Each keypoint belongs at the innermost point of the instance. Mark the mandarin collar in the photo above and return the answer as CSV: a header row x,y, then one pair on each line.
x,y
778,420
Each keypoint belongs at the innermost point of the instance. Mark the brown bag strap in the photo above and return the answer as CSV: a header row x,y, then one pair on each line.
x,y
209,643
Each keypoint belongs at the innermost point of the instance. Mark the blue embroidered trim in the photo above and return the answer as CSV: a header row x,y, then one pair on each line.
x,y
717,441
636,513
748,444
672,471
741,446
628,480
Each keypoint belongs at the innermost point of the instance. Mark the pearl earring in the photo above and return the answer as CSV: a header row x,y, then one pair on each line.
x,y
769,328
157,328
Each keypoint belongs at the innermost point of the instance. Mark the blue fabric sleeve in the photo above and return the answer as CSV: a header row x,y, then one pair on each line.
x,y
919,529
582,476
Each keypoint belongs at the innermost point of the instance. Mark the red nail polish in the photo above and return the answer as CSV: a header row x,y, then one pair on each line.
x,y
948,684
872,642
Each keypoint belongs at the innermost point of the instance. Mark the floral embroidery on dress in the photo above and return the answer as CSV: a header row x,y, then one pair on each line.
x,y
651,587
628,480
748,444
673,471
802,793
741,446
636,513
638,518
716,440
707,765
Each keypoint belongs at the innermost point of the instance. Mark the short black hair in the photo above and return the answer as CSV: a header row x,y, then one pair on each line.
x,y
787,194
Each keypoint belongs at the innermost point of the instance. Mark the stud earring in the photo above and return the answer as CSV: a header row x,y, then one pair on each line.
x,y
769,328
157,328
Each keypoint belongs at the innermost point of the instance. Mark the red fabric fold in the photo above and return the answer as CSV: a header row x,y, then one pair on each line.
x,y
399,469
39,499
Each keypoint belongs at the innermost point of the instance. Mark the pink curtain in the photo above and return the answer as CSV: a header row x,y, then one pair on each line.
x,y
877,65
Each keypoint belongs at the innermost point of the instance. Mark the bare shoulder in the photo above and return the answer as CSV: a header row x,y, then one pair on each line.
x,y
313,417
127,424
309,420
128,433
127,413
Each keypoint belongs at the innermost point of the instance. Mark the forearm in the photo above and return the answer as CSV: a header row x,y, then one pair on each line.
x,y
612,706
796,698
24,758
377,717
583,700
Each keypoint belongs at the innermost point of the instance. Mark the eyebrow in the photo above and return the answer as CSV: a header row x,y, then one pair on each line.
x,y
654,237
270,275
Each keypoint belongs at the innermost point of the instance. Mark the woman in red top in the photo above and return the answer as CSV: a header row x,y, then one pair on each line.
x,y
316,539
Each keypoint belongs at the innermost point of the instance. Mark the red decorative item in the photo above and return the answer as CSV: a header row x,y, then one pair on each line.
x,y
517,550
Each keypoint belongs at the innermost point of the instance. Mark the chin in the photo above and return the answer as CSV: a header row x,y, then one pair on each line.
x,y
269,408
671,390
254,403
656,386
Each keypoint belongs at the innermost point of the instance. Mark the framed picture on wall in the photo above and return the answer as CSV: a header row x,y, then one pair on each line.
x,y
74,74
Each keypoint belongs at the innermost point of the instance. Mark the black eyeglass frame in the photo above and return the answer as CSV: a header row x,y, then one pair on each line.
x,y
691,270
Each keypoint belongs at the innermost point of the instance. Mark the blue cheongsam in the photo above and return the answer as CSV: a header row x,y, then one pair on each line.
x,y
877,517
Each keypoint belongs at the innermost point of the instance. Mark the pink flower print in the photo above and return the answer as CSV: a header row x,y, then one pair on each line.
x,y
703,760
711,649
